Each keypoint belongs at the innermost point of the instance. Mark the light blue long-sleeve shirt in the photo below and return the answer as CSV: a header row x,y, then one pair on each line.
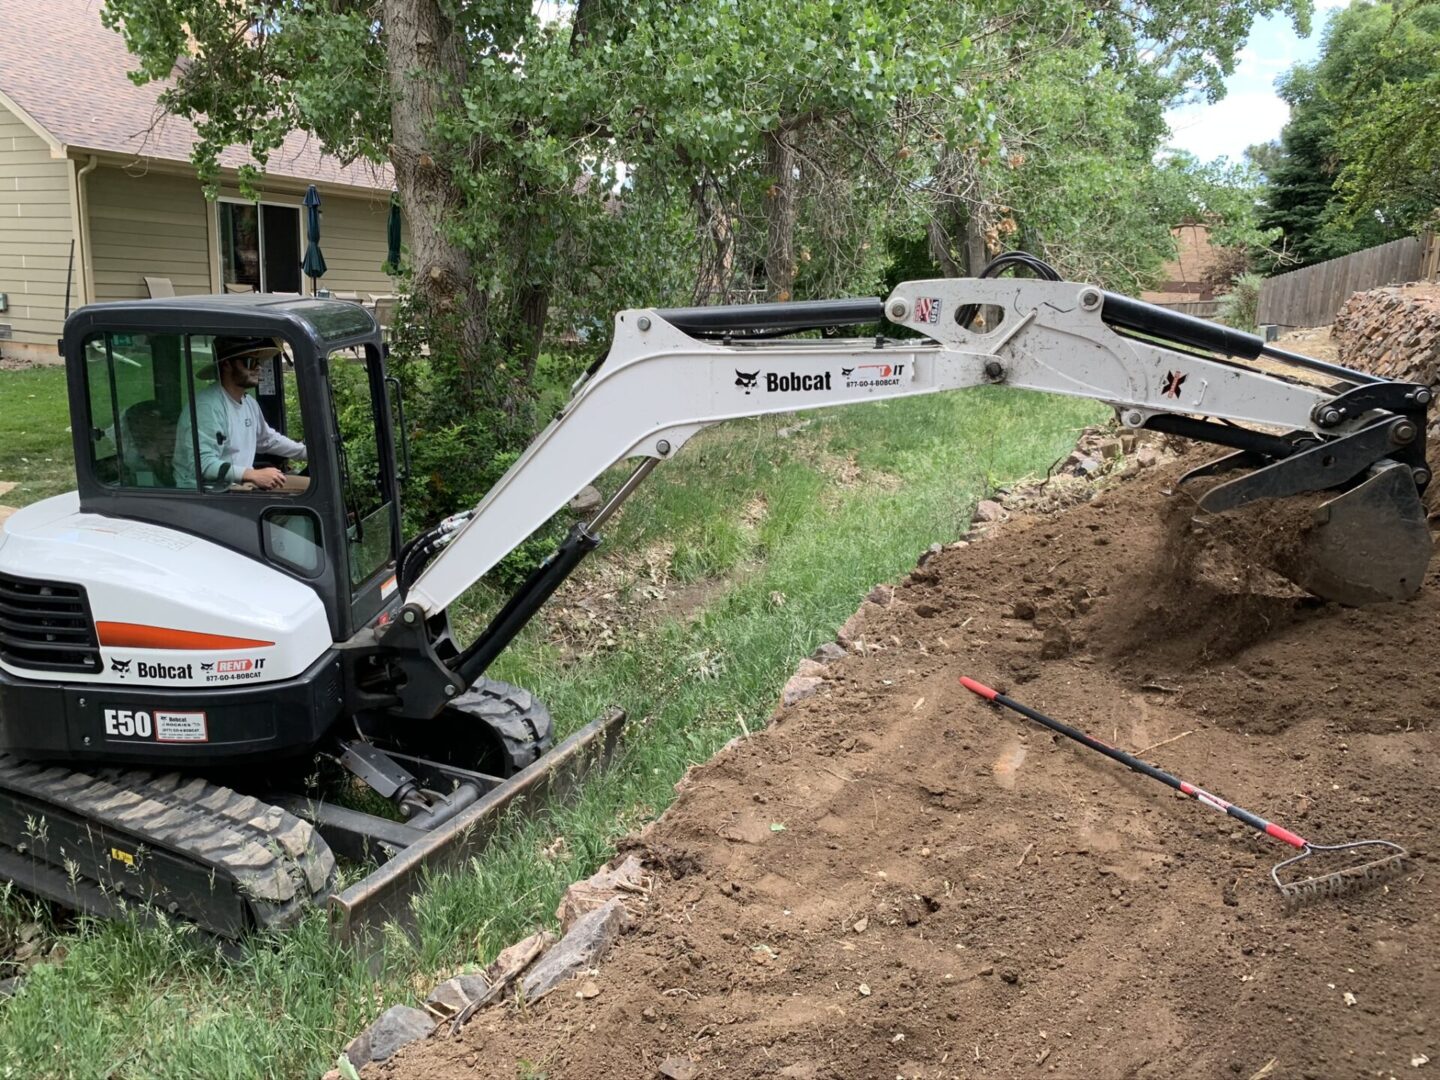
x,y
230,434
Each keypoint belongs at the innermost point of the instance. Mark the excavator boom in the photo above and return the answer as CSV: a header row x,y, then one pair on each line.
x,y
670,374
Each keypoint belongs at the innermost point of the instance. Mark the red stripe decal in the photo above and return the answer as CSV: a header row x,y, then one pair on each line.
x,y
123,635
978,688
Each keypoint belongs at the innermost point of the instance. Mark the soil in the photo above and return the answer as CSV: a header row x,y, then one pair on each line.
x,y
896,879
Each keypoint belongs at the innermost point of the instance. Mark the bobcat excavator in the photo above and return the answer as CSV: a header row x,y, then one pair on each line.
x,y
178,651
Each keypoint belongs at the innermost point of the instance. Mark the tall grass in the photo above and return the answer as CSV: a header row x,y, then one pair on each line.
x,y
131,1002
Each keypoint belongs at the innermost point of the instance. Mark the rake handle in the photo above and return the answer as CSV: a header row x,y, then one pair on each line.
x,y
1255,821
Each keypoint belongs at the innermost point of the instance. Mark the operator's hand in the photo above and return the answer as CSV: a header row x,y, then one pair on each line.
x,y
265,479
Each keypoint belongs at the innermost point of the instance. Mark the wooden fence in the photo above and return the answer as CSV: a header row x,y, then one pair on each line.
x,y
1311,296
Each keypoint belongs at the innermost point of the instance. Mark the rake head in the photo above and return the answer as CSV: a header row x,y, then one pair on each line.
x,y
1367,863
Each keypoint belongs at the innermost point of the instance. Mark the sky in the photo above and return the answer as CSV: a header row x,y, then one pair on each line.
x,y
1251,111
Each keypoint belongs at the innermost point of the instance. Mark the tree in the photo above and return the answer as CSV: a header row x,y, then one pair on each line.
x,y
1356,165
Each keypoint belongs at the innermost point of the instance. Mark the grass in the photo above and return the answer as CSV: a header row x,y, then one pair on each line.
x,y
130,1002
35,448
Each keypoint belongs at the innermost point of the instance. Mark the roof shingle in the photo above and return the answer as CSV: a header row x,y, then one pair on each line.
x,y
64,68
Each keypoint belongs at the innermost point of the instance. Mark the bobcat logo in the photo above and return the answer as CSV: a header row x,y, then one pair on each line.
x,y
1174,380
207,667
746,380
121,667
845,372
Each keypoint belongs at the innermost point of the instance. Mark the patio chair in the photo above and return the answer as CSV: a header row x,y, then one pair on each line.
x,y
159,286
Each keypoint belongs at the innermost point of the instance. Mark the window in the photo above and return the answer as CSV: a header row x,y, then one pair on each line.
x,y
260,247
368,507
146,391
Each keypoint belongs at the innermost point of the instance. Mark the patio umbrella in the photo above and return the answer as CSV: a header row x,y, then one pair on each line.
x,y
314,264
392,236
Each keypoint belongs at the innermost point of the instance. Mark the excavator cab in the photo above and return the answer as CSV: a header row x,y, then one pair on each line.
x,y
145,384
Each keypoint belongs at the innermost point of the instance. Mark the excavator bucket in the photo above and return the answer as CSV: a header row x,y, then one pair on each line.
x,y
1369,545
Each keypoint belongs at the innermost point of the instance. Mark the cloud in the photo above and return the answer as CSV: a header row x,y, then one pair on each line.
x,y
1226,128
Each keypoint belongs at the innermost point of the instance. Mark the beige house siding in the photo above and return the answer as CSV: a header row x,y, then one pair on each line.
x,y
152,225
352,236
35,232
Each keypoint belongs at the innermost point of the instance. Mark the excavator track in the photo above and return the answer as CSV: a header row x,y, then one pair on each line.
x,y
109,840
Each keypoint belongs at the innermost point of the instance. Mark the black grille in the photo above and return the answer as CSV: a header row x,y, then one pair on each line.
x,y
46,625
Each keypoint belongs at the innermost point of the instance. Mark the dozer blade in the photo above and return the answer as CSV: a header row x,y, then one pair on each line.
x,y
384,894
1369,545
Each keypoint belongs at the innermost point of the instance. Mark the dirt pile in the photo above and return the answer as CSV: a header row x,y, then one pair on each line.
x,y
897,880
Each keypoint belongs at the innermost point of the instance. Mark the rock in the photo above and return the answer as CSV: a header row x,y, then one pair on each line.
x,y
1111,449
1127,442
398,1026
850,628
679,1068
628,879
1146,457
586,500
926,611
583,944
11,986
882,594
799,688
988,510
928,554
452,995
1023,609
810,668
828,652
588,989
1086,466
515,959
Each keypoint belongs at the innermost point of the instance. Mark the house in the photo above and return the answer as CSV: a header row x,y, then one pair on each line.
x,y
1188,281
97,192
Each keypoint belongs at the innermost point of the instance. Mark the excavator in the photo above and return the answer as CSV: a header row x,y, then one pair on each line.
x,y
181,652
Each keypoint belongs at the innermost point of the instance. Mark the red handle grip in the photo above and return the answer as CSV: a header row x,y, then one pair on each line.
x,y
978,688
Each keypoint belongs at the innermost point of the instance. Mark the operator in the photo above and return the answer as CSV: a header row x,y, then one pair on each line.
x,y
232,427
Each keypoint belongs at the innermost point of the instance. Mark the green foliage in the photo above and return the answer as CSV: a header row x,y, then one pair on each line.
x,y
1241,305
1357,162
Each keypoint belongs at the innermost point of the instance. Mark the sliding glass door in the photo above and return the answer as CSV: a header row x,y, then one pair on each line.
x,y
259,247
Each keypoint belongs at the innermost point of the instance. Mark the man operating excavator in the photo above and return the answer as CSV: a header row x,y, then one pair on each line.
x,y
232,429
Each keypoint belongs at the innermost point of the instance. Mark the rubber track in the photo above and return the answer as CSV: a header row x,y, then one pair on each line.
x,y
278,863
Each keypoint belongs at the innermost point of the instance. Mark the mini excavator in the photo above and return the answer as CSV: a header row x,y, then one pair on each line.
x,y
179,650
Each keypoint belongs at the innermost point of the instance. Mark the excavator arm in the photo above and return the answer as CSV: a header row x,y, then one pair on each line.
x,y
1294,424
670,374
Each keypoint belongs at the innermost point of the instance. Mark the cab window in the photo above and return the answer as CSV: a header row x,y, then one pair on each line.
x,y
160,418
368,506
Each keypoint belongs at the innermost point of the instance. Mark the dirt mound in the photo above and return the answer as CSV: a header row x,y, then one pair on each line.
x,y
895,879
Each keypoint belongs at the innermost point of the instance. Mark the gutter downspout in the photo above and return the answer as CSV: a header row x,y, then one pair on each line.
x,y
87,270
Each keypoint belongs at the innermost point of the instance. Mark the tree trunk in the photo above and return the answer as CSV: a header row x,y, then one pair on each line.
x,y
939,239
781,209
717,263
426,67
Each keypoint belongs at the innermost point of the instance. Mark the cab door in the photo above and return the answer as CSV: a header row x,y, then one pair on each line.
x,y
365,456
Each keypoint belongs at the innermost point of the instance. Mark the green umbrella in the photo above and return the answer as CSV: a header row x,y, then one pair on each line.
x,y
392,235
314,264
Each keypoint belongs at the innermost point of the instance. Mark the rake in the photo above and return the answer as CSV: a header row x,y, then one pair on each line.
x,y
1379,860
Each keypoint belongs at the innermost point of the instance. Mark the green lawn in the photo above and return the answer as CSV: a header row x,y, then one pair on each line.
x,y
35,450
787,533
